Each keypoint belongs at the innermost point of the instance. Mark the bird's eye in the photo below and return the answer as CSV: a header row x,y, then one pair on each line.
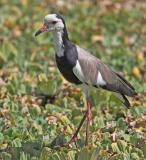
x,y
54,22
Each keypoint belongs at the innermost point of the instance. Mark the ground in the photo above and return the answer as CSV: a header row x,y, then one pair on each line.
x,y
39,109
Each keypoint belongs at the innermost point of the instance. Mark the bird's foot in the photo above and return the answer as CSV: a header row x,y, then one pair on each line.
x,y
68,144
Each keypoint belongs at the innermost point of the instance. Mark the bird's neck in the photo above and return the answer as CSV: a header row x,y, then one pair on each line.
x,y
60,38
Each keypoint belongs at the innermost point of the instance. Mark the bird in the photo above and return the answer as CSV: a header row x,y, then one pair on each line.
x,y
80,67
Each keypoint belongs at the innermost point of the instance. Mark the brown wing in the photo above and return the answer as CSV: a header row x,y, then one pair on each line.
x,y
91,66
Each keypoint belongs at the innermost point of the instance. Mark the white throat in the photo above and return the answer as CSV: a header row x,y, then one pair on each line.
x,y
58,41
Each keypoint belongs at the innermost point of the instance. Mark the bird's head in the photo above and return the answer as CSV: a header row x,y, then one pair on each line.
x,y
52,23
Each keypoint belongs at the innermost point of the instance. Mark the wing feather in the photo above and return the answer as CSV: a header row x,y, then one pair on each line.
x,y
91,67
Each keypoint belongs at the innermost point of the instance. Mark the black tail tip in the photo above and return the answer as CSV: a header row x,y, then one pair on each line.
x,y
127,104
134,93
126,101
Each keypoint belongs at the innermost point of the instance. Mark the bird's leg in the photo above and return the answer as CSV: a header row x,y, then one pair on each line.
x,y
89,118
74,137
89,111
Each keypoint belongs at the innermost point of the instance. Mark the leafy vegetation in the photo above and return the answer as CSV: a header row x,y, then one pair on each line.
x,y
39,109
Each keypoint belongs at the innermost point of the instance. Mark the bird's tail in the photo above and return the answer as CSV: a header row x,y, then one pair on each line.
x,y
126,88
123,99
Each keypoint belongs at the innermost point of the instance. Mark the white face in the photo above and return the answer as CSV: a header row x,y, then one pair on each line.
x,y
53,23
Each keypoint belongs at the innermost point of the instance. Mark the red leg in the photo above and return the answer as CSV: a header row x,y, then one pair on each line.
x,y
89,105
89,118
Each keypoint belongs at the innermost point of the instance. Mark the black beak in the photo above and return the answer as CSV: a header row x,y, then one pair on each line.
x,y
41,30
38,32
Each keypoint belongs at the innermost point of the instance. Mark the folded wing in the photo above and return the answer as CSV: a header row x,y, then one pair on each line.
x,y
92,71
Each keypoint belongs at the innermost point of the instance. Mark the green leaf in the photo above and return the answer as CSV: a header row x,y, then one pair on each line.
x,y
122,145
115,148
144,150
134,156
